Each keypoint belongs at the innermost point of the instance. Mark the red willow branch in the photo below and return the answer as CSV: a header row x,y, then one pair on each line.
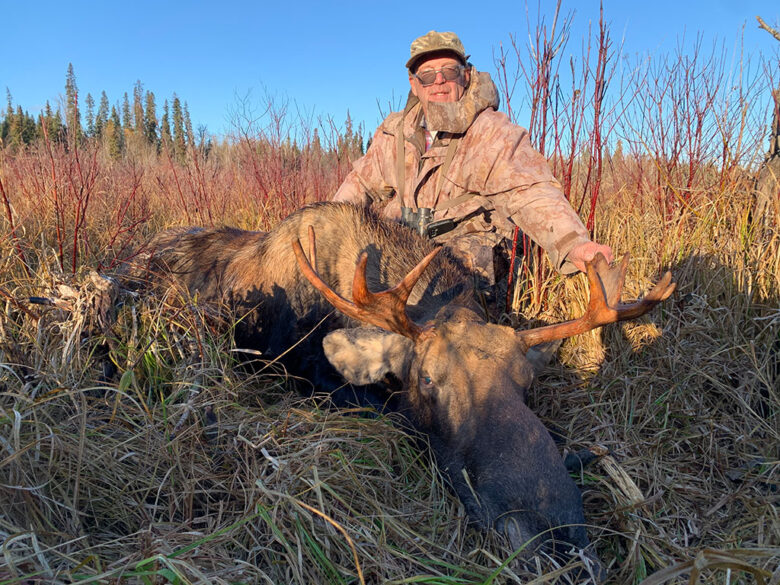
x,y
10,216
58,210
600,91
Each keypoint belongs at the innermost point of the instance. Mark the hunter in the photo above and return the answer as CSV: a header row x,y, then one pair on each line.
x,y
457,170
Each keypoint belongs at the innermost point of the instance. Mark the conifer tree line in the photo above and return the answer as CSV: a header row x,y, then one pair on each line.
x,y
133,121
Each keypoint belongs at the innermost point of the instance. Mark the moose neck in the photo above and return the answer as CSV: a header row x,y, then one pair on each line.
x,y
393,251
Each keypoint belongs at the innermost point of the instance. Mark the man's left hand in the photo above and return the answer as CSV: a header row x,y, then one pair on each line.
x,y
585,252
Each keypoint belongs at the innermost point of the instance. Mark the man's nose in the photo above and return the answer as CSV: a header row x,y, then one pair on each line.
x,y
440,78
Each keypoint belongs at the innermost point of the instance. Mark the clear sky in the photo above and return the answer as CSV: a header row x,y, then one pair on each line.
x,y
322,58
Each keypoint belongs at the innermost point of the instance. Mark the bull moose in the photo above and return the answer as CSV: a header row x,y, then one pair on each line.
x,y
462,380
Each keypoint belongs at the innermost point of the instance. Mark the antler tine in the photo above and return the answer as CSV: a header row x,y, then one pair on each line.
x,y
401,291
407,284
660,292
612,279
360,293
313,277
386,309
605,286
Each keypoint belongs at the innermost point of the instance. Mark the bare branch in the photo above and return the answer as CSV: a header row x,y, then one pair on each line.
x,y
767,28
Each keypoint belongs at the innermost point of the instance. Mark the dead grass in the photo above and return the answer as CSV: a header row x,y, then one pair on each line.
x,y
186,468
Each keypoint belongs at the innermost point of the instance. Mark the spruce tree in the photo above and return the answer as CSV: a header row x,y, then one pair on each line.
x,y
179,141
165,131
44,121
316,145
138,108
21,129
72,114
102,115
29,128
344,141
57,127
5,129
115,134
53,122
127,116
150,120
188,127
14,132
18,128
90,115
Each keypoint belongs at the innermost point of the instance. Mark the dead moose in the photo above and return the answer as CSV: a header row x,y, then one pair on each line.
x,y
463,380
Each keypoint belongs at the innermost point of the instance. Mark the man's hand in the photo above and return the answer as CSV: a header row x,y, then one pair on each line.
x,y
585,252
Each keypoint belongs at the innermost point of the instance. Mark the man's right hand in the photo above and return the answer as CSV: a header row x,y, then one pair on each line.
x,y
585,253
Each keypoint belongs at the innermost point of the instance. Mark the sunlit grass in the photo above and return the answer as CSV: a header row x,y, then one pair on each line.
x,y
183,466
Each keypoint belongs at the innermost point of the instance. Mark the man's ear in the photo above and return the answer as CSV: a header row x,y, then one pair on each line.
x,y
467,75
366,355
413,85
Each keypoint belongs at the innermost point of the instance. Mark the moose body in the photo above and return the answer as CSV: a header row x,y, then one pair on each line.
x,y
463,380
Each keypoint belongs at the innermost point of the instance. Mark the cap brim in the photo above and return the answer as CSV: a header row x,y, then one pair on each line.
x,y
411,62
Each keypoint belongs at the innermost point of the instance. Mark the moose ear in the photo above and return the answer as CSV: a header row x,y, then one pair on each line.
x,y
365,355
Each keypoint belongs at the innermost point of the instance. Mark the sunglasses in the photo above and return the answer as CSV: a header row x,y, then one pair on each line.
x,y
449,73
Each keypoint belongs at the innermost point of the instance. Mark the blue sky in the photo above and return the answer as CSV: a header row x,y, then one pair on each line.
x,y
320,58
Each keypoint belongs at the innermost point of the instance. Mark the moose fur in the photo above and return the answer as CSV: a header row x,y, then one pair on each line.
x,y
464,381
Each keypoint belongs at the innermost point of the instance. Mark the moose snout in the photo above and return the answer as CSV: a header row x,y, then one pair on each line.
x,y
557,530
511,477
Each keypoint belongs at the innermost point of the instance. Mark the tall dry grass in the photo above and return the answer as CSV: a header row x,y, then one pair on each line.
x,y
184,467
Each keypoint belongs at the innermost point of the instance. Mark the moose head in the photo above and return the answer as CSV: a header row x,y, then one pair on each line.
x,y
464,385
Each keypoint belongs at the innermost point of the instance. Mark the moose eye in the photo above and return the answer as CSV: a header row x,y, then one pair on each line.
x,y
426,382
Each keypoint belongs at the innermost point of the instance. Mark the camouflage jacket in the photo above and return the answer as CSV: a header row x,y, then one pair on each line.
x,y
497,178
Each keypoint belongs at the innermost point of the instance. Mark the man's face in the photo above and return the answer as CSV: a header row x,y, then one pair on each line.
x,y
440,90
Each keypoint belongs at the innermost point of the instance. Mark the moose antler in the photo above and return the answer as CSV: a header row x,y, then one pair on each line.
x,y
606,285
386,309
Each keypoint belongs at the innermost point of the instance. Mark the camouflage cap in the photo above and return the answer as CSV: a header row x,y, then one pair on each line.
x,y
433,42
